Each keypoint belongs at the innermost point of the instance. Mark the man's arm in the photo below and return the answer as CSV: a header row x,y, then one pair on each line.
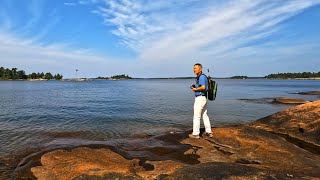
x,y
201,88
202,82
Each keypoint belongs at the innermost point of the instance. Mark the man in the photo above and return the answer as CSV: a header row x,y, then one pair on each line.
x,y
200,103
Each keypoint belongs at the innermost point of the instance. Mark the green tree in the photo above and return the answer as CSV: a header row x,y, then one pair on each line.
x,y
293,75
8,74
21,75
58,77
2,72
33,76
48,76
42,75
122,76
239,77
14,73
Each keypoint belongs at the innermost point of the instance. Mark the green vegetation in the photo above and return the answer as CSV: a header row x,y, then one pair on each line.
x,y
122,76
293,75
239,77
15,74
102,77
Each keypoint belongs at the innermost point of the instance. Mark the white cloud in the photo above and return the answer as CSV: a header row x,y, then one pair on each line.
x,y
86,2
171,30
23,48
69,4
140,22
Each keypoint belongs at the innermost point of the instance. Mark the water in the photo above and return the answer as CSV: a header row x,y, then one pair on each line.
x,y
35,113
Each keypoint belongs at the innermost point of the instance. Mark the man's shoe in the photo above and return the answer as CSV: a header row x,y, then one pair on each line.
x,y
210,135
194,136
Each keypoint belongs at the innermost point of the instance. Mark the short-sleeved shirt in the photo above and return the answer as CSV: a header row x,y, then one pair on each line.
x,y
201,81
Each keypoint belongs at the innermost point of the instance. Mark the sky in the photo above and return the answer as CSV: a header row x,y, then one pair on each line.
x,y
160,38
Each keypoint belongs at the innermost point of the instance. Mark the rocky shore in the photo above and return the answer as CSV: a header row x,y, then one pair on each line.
x,y
285,145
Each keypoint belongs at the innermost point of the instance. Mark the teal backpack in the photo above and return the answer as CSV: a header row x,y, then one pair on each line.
x,y
212,89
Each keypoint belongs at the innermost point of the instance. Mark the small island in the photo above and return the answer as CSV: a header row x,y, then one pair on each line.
x,y
15,74
303,75
115,77
239,77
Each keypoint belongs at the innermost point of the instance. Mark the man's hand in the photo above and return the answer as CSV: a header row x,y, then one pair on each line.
x,y
201,88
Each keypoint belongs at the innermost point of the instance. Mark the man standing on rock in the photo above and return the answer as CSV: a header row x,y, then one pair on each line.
x,y
200,103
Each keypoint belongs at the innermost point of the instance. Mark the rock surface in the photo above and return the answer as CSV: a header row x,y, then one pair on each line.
x,y
310,93
217,171
258,148
302,122
255,151
284,100
65,165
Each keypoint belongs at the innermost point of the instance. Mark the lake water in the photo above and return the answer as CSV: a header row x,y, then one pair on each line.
x,y
35,113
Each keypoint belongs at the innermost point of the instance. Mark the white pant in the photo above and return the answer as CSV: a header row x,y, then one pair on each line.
x,y
200,109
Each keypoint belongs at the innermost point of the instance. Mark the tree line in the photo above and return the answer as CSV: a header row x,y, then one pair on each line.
x,y
122,76
14,73
239,77
294,75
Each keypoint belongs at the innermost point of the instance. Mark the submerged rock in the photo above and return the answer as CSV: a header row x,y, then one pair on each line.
x,y
259,100
284,100
310,93
279,100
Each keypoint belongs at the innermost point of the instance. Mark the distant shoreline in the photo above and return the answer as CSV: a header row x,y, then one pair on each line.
x,y
28,80
169,78
239,79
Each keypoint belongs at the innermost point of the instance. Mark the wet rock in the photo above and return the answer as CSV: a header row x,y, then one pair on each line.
x,y
279,100
283,100
4,170
310,93
259,100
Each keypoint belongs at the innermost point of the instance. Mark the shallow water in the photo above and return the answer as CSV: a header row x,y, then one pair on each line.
x,y
33,114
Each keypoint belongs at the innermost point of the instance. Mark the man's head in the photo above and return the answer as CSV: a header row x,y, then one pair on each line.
x,y
197,69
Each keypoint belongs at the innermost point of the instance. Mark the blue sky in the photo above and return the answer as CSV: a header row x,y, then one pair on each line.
x,y
160,38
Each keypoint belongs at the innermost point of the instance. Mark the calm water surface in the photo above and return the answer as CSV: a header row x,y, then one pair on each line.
x,y
34,113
